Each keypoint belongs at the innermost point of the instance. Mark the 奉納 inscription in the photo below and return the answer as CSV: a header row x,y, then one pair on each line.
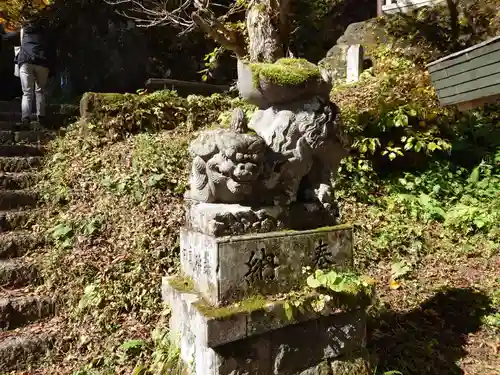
x,y
323,258
261,266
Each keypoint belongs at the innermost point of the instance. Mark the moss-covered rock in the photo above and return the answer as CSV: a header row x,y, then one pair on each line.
x,y
161,110
248,305
286,80
285,72
182,284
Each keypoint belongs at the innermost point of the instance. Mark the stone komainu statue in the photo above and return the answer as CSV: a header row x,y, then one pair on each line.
x,y
293,154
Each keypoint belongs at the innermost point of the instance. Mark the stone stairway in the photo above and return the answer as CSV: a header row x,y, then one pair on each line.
x,y
26,318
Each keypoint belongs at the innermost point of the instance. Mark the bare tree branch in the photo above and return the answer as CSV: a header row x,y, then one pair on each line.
x,y
151,13
267,22
229,39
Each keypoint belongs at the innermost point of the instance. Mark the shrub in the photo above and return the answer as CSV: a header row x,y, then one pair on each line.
x,y
120,114
397,124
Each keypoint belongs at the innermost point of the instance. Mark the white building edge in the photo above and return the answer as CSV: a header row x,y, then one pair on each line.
x,y
404,6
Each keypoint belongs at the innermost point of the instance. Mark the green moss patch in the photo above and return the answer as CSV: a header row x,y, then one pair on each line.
x,y
246,306
285,72
305,300
121,114
182,284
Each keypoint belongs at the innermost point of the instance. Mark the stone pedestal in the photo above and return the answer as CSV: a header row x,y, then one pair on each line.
x,y
230,307
220,220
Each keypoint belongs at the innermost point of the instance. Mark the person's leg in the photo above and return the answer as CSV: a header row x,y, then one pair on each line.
x,y
27,84
41,78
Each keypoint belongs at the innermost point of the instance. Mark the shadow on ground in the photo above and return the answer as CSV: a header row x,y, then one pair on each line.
x,y
430,339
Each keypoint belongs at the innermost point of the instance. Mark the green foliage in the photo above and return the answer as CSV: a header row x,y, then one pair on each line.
x,y
132,345
116,115
91,298
332,290
166,356
397,125
464,201
336,282
493,319
211,61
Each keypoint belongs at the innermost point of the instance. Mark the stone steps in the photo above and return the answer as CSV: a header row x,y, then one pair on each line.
x,y
10,106
8,125
23,348
16,199
17,181
15,106
25,136
20,309
10,116
18,150
57,116
19,163
17,272
28,325
15,220
17,244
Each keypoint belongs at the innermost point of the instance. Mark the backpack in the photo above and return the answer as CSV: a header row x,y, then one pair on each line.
x,y
16,54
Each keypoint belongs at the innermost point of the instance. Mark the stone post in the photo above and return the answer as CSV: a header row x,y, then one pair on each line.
x,y
355,57
380,3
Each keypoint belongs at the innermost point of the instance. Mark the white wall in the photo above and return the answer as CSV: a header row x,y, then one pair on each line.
x,y
404,6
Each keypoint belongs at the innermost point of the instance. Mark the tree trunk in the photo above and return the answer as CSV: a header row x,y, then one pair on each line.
x,y
264,26
454,22
267,25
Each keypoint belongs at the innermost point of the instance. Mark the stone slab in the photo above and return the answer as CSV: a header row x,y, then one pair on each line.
x,y
219,326
221,220
295,349
227,269
355,58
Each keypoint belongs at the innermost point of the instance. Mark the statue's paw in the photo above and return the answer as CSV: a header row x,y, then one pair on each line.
x,y
199,165
199,180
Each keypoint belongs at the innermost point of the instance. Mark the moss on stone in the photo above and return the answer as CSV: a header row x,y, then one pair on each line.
x,y
333,227
183,284
245,306
285,72
356,300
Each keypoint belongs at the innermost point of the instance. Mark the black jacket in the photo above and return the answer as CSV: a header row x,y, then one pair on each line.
x,y
36,47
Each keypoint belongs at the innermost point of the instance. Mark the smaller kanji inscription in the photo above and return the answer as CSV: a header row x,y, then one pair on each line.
x,y
197,263
323,258
188,255
206,269
261,266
